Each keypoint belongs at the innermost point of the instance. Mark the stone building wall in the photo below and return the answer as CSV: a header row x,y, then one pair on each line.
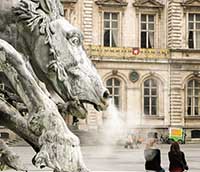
x,y
173,71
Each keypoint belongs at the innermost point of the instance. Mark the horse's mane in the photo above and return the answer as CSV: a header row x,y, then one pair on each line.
x,y
38,14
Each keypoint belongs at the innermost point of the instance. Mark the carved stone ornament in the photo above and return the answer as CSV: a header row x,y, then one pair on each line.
x,y
191,3
112,3
140,5
191,6
148,4
114,71
134,76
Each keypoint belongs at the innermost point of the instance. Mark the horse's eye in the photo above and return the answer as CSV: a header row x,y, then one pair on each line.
x,y
75,41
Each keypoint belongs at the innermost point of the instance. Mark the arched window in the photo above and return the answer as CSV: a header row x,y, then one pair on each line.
x,y
193,97
150,97
113,85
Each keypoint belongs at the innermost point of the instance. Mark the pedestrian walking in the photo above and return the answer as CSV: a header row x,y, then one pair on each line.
x,y
129,141
135,141
152,156
177,162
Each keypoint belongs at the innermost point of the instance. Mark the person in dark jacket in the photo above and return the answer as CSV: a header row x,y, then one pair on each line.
x,y
152,157
177,162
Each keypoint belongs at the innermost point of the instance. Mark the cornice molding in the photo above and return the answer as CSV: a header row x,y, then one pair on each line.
x,y
154,5
191,3
148,4
69,4
111,3
191,6
69,1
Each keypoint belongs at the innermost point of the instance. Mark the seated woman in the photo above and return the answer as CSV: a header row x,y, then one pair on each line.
x,y
152,156
177,162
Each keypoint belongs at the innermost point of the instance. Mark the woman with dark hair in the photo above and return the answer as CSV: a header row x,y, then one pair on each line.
x,y
177,162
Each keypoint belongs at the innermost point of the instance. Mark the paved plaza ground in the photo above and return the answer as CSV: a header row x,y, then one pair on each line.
x,y
116,158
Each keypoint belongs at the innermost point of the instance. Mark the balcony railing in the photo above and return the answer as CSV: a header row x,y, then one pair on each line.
x,y
124,52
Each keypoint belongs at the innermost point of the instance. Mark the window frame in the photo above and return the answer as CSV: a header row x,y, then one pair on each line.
x,y
189,7
120,28
156,26
111,29
194,29
113,7
192,99
113,87
147,30
150,97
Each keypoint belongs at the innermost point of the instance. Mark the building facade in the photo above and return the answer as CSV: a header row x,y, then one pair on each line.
x,y
148,55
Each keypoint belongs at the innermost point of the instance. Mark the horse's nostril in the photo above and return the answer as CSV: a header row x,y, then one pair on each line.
x,y
106,94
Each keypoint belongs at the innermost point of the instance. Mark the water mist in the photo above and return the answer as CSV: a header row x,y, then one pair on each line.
x,y
114,125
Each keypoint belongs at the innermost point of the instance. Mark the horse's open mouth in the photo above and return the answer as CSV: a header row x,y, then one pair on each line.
x,y
97,107
79,109
83,106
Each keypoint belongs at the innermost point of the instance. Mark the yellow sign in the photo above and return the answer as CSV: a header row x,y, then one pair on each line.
x,y
176,132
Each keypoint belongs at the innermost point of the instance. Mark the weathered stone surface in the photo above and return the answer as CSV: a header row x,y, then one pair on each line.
x,y
43,53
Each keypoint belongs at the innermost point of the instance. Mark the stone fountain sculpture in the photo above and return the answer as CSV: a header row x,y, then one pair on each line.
x,y
47,58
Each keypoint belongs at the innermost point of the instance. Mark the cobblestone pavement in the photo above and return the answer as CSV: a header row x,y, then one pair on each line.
x,y
116,158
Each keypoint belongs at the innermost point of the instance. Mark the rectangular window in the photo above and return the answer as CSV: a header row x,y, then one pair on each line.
x,y
150,97
193,98
153,110
114,85
110,29
194,31
147,31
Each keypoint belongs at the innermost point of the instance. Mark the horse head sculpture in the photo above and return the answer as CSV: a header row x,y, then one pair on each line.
x,y
55,48
49,49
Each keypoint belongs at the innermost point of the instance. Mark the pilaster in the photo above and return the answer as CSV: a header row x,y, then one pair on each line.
x,y
174,24
87,20
176,113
